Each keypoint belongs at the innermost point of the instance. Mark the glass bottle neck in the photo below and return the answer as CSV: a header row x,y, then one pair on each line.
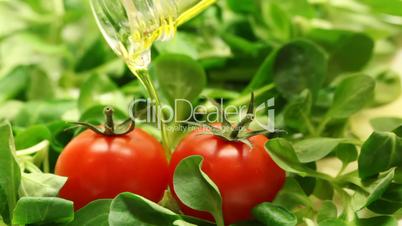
x,y
132,26
146,16
163,16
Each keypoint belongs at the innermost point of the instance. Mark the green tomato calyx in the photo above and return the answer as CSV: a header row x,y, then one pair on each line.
x,y
109,127
239,132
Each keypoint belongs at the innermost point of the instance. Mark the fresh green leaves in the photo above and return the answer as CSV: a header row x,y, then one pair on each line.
x,y
94,56
380,152
297,112
393,193
390,201
271,214
181,80
352,52
37,112
129,209
348,51
56,68
196,190
98,89
267,214
313,149
332,222
264,73
392,7
10,175
41,87
299,65
32,135
294,67
31,210
95,213
14,184
30,82
13,83
283,153
302,81
351,95
292,195
373,189
327,211
276,25
247,6
378,194
179,77
41,184
347,153
375,221
385,123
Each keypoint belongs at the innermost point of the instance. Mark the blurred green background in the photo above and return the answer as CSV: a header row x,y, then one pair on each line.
x,y
55,65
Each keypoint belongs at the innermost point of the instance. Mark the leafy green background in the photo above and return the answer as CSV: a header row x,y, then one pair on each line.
x,y
329,64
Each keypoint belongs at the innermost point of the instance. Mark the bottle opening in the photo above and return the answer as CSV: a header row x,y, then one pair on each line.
x,y
131,26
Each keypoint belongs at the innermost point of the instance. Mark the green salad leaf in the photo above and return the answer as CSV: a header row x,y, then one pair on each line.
x,y
10,175
129,209
195,189
95,213
31,210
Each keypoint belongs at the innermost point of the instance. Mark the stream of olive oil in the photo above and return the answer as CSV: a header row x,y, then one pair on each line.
x,y
135,47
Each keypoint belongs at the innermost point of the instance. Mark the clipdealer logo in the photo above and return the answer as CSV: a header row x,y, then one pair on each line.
x,y
201,114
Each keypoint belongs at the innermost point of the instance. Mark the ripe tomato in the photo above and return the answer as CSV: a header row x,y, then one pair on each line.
x,y
99,166
245,176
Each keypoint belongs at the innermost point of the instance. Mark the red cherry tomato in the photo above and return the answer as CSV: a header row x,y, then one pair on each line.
x,y
100,166
245,176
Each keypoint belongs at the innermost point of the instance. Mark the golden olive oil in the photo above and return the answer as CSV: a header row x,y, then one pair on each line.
x,y
153,20
131,27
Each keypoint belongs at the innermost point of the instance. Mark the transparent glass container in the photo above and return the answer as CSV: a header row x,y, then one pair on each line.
x,y
131,26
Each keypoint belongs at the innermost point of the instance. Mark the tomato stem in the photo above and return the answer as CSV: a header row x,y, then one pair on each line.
x,y
234,133
245,121
109,123
109,127
242,124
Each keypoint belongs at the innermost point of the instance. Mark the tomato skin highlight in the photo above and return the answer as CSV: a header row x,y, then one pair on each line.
x,y
245,177
100,166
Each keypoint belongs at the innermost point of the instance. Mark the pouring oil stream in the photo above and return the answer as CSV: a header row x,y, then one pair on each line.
x,y
131,27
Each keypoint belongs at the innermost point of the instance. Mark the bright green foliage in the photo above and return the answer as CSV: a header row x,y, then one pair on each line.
x,y
195,189
325,62
10,176
31,210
